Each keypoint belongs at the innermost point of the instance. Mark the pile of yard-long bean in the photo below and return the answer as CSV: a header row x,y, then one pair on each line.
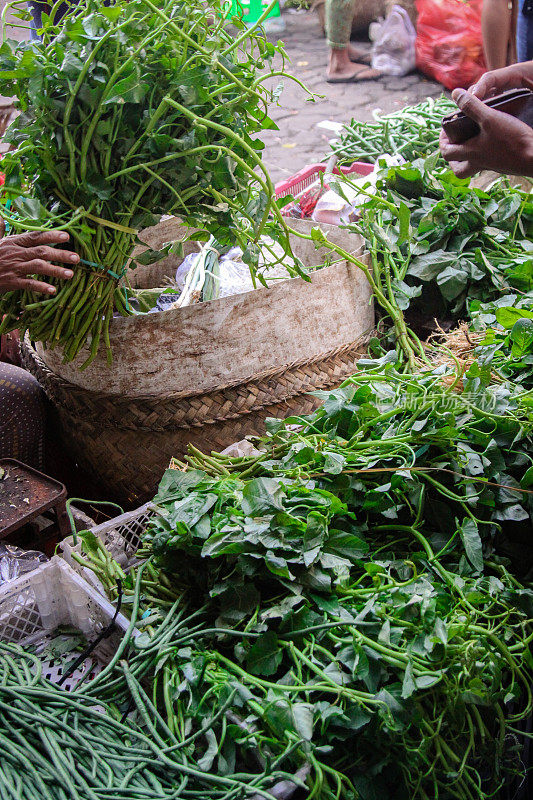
x,y
58,745
412,132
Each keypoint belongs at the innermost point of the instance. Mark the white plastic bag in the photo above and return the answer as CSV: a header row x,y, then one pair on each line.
x,y
336,210
393,49
15,562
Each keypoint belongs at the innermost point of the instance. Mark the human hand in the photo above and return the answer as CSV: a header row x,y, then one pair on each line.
x,y
504,144
500,80
32,253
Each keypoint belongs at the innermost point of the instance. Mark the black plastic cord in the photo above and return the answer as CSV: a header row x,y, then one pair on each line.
x,y
102,635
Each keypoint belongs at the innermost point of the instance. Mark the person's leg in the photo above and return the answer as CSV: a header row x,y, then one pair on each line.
x,y
512,57
339,16
21,416
496,30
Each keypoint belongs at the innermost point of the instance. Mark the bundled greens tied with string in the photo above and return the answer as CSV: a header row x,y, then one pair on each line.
x,y
129,112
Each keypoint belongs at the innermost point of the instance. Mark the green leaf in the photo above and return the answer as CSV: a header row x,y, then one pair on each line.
x,y
127,90
429,266
318,237
346,545
277,565
509,316
265,655
111,12
408,685
472,543
522,337
146,298
206,761
150,256
31,207
262,496
192,508
527,479
315,533
513,512
91,544
334,463
175,483
427,681
285,716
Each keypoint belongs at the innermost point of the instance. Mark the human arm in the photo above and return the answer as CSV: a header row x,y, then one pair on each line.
x,y
496,27
504,143
32,253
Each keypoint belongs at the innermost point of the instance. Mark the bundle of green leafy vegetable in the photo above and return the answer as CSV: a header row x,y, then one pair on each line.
x,y
437,245
130,111
411,132
354,587
506,347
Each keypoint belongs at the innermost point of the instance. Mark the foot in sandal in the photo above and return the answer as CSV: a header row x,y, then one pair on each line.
x,y
342,70
358,54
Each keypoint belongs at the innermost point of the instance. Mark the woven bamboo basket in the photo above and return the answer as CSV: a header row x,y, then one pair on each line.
x,y
207,374
126,443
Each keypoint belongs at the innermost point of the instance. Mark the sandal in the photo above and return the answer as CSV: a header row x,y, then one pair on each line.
x,y
365,74
360,57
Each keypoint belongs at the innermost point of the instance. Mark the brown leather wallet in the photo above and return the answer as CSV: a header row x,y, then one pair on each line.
x,y
517,102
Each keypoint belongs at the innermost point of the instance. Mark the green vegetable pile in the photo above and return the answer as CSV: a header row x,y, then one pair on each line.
x,y
131,111
359,588
58,744
411,132
347,612
506,349
437,245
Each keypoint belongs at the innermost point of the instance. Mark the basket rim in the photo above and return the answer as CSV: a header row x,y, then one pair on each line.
x,y
183,411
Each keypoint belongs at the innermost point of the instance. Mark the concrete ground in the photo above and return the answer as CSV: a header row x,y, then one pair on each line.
x,y
299,141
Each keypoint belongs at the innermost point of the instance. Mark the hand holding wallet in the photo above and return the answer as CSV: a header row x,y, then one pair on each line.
x,y
516,102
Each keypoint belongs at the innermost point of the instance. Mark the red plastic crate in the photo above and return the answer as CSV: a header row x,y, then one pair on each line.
x,y
308,175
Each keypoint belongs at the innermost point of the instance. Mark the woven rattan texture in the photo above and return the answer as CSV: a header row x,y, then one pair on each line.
x,y
126,443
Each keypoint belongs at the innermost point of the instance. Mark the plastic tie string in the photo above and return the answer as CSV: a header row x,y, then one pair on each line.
x,y
8,224
113,274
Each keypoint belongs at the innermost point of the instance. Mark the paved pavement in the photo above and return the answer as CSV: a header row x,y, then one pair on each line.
x,y
298,141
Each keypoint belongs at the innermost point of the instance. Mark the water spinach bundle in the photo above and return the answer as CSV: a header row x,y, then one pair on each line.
x,y
353,598
131,111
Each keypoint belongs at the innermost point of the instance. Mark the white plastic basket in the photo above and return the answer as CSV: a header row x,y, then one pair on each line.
x,y
121,536
33,606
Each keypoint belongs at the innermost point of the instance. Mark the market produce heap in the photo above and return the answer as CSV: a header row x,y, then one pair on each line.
x,y
131,111
352,598
358,589
346,611
411,132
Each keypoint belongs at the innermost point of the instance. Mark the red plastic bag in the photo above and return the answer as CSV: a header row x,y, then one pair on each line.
x,y
449,45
